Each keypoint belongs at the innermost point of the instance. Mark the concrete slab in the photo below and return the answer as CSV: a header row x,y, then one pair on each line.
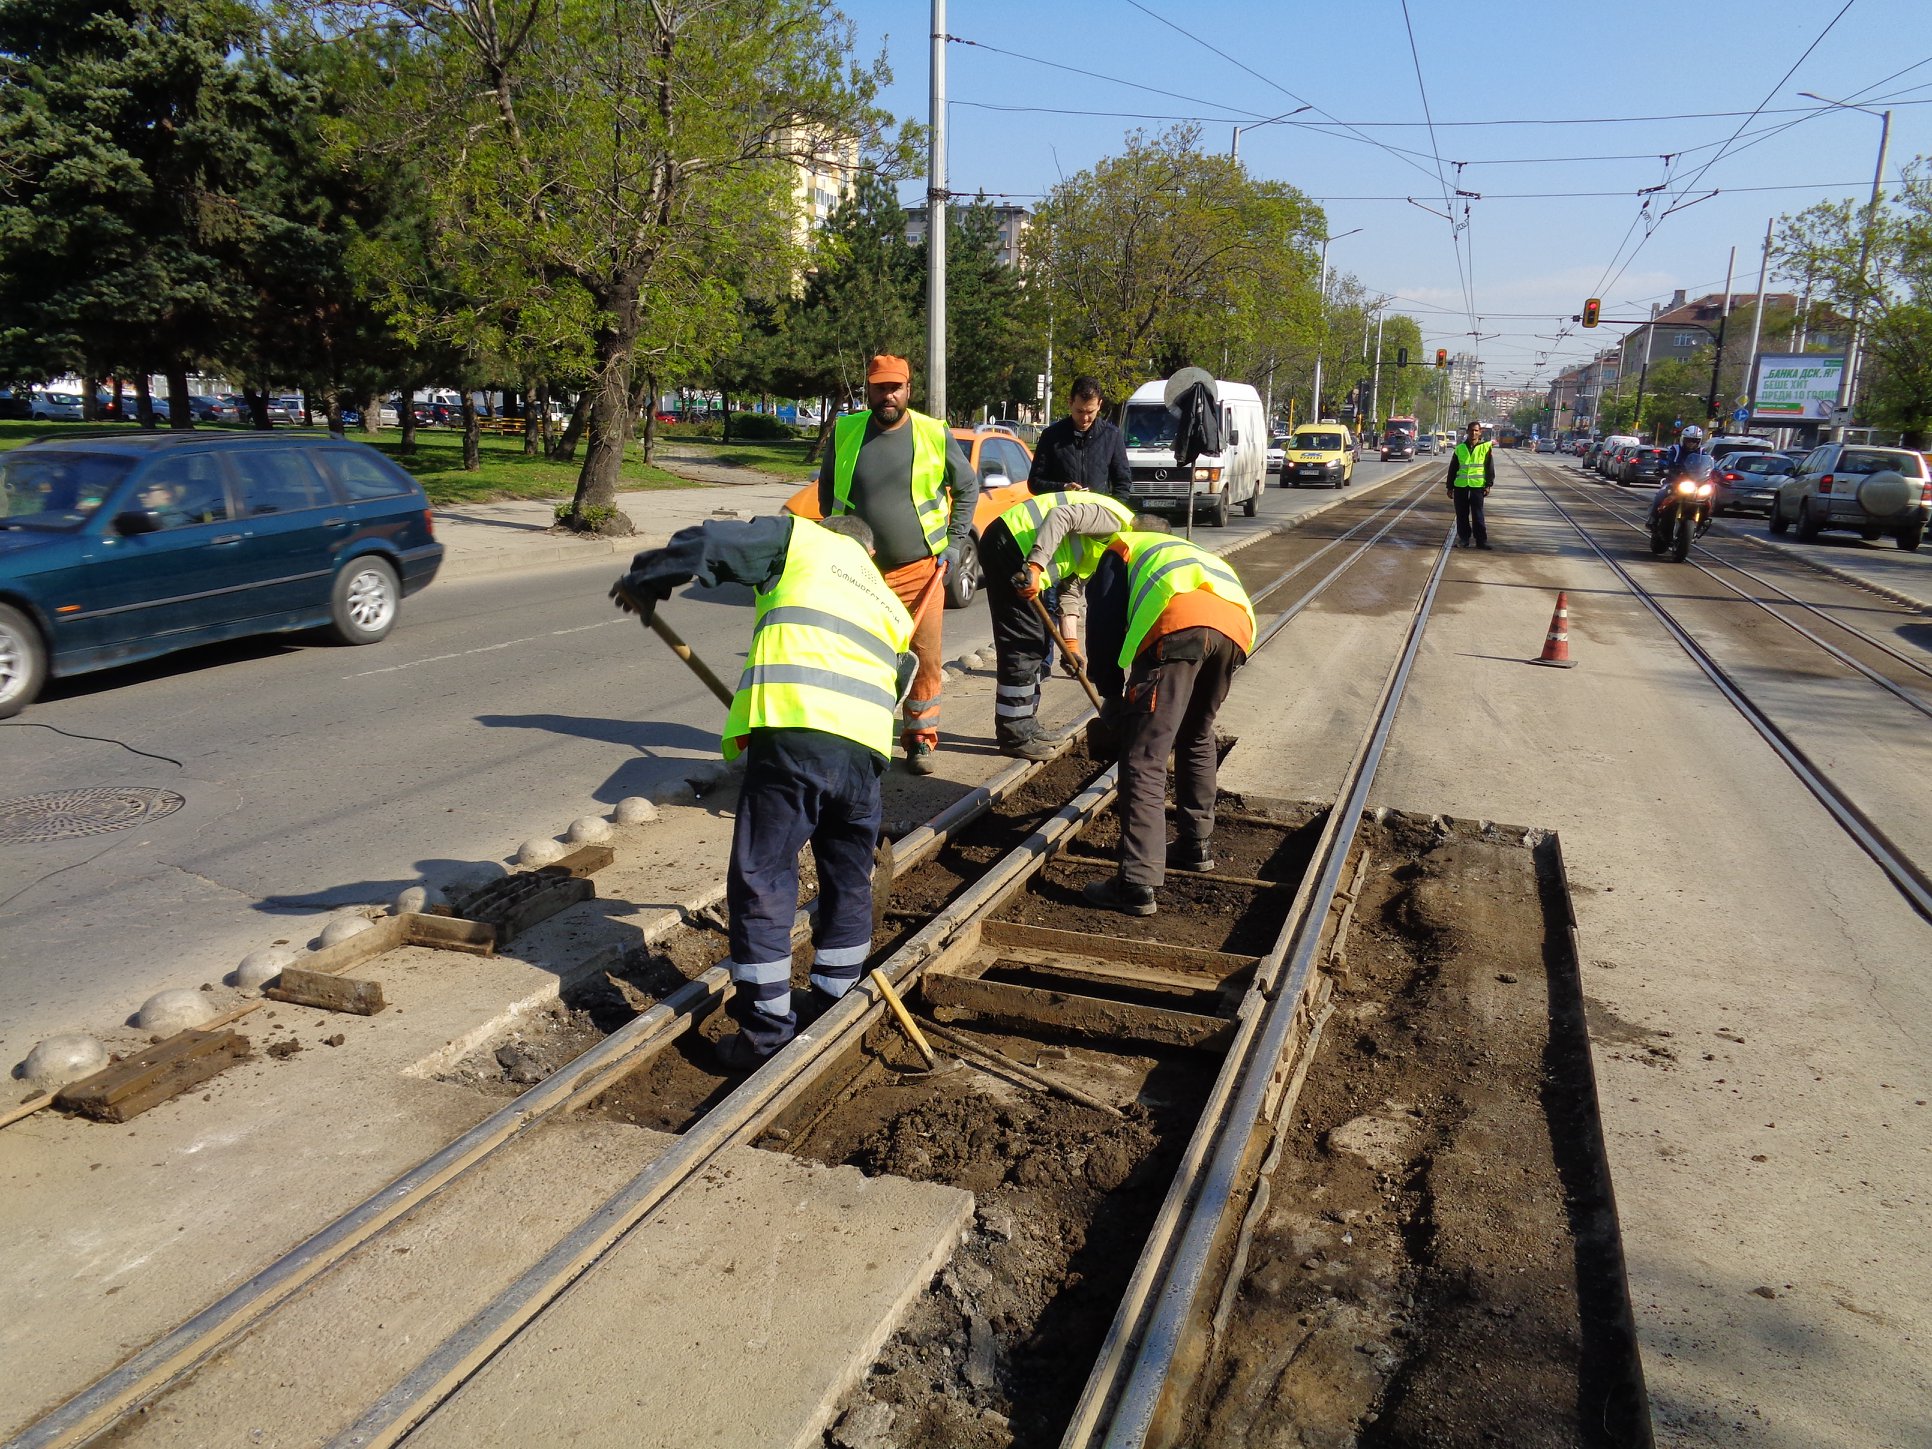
x,y
741,1314
1759,1008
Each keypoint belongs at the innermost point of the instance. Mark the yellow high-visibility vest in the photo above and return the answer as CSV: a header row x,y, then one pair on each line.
x,y
929,438
1470,470
825,648
1078,555
1159,566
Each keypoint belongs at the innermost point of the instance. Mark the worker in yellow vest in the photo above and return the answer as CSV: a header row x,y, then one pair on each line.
x,y
1168,623
1472,473
814,718
1013,581
904,475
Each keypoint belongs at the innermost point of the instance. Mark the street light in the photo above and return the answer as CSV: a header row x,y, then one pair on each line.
x,y
1234,147
1316,401
1864,253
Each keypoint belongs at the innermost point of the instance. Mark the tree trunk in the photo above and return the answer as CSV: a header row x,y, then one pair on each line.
x,y
257,409
650,416
724,433
611,402
472,435
90,399
332,412
825,419
544,410
372,413
406,415
144,402
181,412
533,414
566,449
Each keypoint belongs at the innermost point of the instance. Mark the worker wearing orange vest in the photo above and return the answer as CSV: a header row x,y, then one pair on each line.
x,y
902,473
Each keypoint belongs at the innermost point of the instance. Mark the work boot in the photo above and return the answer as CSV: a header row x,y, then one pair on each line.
x,y
1484,545
738,1053
1115,894
919,757
1034,747
813,1005
1190,855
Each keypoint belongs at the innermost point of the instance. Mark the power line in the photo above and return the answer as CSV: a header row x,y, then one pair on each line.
x,y
1096,75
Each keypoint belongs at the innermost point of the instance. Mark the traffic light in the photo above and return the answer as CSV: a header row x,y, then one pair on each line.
x,y
1442,357
1401,357
1591,309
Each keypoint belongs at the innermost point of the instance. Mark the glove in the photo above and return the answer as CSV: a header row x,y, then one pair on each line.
x,y
954,558
1026,583
1071,663
635,594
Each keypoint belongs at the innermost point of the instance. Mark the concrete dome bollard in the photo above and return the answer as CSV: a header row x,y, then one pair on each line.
x,y
55,1062
588,830
540,851
343,927
635,810
416,899
258,968
173,1010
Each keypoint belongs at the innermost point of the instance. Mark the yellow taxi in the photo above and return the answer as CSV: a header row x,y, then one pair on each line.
x,y
1319,455
1002,463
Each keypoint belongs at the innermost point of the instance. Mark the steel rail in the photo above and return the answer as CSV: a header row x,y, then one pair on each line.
x,y
1124,1395
1857,666
1910,881
154,1368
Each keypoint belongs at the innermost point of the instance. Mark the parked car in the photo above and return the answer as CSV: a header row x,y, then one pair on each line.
x,y
56,407
1277,451
1003,463
1644,467
209,409
1870,491
1425,444
122,547
15,405
1319,456
1750,481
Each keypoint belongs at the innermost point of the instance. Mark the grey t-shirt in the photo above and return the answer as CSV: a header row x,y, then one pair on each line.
x,y
882,493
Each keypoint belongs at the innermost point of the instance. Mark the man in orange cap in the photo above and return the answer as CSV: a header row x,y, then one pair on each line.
x,y
902,473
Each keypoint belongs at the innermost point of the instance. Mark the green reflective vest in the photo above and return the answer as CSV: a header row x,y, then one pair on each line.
x,y
1159,566
825,648
929,439
1078,555
1470,462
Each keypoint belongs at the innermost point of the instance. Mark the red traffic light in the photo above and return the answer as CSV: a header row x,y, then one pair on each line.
x,y
1591,310
1442,357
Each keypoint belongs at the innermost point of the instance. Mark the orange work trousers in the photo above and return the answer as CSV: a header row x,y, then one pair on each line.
x,y
921,718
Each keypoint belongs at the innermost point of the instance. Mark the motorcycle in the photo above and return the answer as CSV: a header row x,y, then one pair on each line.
x,y
1682,513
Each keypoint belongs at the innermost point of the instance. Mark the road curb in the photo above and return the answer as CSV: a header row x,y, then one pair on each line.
x,y
537,556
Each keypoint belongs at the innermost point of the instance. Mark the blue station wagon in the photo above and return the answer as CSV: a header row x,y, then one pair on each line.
x,y
123,547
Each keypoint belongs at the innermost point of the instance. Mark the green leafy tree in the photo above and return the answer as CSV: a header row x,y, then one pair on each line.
x,y
990,349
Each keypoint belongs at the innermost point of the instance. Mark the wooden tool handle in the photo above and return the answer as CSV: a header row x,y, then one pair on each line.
x,y
683,651
1079,671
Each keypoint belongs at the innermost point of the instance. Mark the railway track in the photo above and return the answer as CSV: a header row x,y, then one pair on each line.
x,y
1902,686
992,866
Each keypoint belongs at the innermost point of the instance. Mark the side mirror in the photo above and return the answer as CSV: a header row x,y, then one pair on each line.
x,y
1234,437
136,521
994,472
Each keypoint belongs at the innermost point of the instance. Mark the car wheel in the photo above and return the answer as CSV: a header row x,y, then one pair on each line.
x,y
1912,535
1777,522
1808,526
1250,503
962,584
1218,514
364,603
23,662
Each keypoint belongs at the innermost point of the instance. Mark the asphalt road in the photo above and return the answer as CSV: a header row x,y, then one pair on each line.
x,y
313,777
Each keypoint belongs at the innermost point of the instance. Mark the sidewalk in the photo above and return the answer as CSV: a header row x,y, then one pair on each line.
x,y
489,538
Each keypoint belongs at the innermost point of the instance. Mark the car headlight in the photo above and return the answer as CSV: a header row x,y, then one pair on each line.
x,y
1207,475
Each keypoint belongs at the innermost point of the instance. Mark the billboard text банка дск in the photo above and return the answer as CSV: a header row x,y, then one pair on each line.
x,y
1796,387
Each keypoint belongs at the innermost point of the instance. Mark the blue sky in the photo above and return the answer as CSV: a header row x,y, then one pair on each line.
x,y
1496,60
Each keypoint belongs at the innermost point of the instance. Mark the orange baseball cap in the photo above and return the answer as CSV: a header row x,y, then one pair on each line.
x,y
887,368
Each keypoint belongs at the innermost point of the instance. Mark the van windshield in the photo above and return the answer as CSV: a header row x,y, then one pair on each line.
x,y
1318,442
1148,425
56,489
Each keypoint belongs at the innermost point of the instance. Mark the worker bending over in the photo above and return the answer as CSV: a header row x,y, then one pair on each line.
x,y
1014,581
813,717
902,473
1168,624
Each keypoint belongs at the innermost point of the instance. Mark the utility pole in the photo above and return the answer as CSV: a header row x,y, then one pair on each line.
x,y
1757,324
1643,374
1315,404
936,199
1846,378
1375,393
1717,358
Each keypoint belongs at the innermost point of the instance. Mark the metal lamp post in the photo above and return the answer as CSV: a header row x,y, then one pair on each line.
x,y
1234,146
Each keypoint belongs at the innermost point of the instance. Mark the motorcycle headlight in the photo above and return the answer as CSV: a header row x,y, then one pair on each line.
x,y
1703,490
1687,487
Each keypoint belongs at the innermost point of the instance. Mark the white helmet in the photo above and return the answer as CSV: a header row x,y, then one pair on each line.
x,y
1693,434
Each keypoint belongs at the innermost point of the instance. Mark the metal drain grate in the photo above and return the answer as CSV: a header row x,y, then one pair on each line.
x,y
93,810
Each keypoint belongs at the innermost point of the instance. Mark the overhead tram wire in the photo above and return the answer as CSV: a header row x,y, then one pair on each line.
x,y
1466,273
1238,111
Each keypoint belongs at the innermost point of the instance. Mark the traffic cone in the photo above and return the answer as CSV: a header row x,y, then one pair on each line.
x,y
1556,645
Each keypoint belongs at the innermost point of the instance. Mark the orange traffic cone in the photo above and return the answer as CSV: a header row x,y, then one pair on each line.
x,y
1556,645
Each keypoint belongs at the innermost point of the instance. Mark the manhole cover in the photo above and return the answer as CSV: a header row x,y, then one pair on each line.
x,y
95,810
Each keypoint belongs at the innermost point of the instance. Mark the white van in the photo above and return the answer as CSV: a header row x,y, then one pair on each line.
x,y
1220,481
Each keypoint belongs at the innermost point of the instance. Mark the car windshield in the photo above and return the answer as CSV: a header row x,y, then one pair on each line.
x,y
1318,442
1148,425
57,490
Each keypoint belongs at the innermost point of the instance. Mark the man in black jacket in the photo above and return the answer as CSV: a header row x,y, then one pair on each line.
x,y
1082,450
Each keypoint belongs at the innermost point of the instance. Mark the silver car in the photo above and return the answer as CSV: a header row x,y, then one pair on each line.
x,y
1748,482
1868,491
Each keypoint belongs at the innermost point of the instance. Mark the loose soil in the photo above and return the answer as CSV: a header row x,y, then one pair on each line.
x,y
1439,1261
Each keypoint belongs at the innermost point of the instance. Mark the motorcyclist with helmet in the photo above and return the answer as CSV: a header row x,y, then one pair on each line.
x,y
1677,457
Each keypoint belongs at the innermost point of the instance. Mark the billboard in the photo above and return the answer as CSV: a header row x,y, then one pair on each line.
x,y
1796,388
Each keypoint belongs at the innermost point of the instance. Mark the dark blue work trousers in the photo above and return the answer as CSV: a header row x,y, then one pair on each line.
x,y
800,786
